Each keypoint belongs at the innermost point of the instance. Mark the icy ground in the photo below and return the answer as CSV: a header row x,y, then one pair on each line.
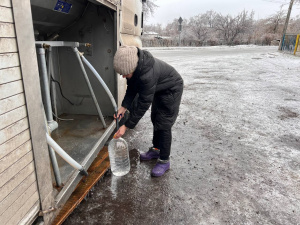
x,y
236,146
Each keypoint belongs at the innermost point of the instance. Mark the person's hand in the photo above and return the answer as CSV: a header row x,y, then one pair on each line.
x,y
120,132
121,113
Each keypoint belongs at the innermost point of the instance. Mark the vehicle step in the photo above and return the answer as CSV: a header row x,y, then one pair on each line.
x,y
98,168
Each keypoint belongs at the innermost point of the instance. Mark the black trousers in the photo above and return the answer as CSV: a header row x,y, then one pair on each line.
x,y
165,108
162,140
164,111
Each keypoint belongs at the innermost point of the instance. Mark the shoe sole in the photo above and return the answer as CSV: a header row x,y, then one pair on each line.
x,y
153,175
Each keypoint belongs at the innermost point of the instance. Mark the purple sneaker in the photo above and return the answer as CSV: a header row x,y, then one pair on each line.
x,y
153,153
160,168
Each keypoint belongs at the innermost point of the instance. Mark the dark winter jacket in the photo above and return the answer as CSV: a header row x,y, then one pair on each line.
x,y
152,77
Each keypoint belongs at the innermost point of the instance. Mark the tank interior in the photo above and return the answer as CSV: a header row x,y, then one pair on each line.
x,y
79,126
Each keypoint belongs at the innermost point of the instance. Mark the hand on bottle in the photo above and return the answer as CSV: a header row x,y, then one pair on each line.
x,y
121,113
120,132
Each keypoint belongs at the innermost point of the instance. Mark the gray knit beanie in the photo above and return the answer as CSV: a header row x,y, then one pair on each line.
x,y
126,60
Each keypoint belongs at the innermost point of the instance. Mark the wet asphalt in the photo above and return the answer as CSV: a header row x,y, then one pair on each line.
x,y
236,147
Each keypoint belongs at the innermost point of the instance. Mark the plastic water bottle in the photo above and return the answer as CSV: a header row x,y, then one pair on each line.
x,y
119,157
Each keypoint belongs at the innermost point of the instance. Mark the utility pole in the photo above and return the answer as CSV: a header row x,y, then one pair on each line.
x,y
286,24
180,29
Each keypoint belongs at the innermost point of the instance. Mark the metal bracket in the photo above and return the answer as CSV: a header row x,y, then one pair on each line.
x,y
51,209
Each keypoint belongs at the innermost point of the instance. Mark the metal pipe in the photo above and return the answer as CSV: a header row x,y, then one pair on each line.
x,y
296,45
47,44
46,90
45,83
57,43
65,155
55,167
53,159
52,85
89,86
51,124
102,82
49,59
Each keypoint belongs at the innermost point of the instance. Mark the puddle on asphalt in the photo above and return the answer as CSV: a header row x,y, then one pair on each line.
x,y
117,181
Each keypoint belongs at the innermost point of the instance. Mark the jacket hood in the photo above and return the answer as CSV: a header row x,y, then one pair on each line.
x,y
145,63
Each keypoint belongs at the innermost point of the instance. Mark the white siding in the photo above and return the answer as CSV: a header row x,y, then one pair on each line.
x,y
6,15
7,30
5,3
10,74
8,45
19,198
8,104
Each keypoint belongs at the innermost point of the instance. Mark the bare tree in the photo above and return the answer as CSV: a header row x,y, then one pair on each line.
x,y
210,17
212,28
172,29
148,8
275,22
230,27
199,27
294,25
154,28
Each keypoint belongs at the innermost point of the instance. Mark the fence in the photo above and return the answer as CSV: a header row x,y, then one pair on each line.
x,y
186,42
156,42
290,44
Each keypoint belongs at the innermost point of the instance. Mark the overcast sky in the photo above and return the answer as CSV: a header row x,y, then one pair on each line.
x,y
170,9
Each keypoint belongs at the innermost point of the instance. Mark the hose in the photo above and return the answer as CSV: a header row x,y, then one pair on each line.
x,y
65,155
101,81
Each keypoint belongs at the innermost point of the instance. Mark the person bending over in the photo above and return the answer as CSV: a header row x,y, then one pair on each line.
x,y
153,82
